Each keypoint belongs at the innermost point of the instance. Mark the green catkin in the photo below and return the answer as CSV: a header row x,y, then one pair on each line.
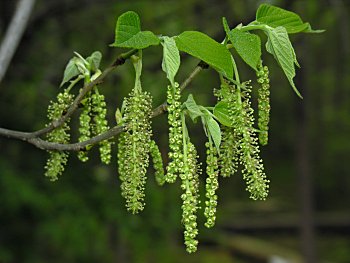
x,y
57,160
190,185
85,129
229,152
55,164
263,103
253,171
212,184
133,149
157,163
122,157
175,133
240,143
99,111
229,148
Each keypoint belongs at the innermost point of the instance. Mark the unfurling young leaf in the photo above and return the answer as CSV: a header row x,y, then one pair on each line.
x,y
70,72
128,33
207,49
94,60
83,67
171,58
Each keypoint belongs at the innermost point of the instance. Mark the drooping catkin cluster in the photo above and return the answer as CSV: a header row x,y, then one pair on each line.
x,y
157,163
263,103
175,133
58,159
212,184
242,141
93,122
189,175
134,149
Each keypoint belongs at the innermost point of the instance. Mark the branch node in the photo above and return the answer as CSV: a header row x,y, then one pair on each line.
x,y
119,61
203,65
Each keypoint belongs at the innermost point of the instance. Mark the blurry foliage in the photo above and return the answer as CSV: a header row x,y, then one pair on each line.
x,y
81,218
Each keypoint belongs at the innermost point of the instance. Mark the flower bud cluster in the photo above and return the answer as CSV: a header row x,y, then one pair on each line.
x,y
134,149
175,133
189,175
57,160
263,103
157,163
212,184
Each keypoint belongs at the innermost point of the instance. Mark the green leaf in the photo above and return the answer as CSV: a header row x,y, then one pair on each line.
x,y
128,33
279,45
70,72
221,112
214,130
247,45
171,58
192,107
274,16
94,60
225,25
137,62
207,49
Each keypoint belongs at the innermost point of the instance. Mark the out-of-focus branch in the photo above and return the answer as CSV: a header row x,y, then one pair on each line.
x,y
14,33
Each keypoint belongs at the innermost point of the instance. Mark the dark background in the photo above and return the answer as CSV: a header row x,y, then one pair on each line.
x,y
82,218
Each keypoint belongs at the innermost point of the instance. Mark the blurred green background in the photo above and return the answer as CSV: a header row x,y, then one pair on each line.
x,y
82,218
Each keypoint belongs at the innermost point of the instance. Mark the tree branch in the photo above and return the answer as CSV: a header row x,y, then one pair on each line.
x,y
14,33
57,123
33,138
162,108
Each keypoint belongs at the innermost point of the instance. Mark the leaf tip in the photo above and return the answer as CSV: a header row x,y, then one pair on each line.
x,y
225,25
297,91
